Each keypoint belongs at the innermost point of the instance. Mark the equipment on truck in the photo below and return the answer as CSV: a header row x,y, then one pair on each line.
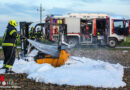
x,y
103,29
56,55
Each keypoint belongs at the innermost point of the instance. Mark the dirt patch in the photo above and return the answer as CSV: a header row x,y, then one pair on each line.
x,y
108,55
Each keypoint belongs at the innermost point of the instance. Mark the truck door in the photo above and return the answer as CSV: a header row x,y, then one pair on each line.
x,y
118,27
126,27
101,31
86,31
94,27
121,27
107,28
129,26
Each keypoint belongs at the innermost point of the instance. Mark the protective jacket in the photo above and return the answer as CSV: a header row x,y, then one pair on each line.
x,y
32,34
39,35
10,36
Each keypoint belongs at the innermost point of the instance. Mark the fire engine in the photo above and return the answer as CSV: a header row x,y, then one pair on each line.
x,y
89,29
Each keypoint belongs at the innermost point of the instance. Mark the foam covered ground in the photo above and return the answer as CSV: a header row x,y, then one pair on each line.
x,y
78,71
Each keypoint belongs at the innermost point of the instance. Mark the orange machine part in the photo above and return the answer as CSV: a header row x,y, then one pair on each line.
x,y
56,62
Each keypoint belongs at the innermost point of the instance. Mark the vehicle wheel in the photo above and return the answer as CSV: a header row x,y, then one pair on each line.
x,y
112,43
73,42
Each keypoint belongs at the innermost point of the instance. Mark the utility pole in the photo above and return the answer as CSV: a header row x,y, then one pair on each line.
x,y
41,10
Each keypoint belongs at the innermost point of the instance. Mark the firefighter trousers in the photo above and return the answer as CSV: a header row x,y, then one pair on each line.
x,y
9,54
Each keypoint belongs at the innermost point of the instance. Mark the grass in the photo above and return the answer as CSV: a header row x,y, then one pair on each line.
x,y
127,43
128,39
0,41
1,50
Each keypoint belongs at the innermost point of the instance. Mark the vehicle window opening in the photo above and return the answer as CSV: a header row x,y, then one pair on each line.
x,y
118,27
101,26
86,27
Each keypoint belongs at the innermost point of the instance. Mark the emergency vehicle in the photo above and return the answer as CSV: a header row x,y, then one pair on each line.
x,y
89,29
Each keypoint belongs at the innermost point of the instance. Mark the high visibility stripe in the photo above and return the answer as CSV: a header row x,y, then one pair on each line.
x,y
8,66
11,33
8,44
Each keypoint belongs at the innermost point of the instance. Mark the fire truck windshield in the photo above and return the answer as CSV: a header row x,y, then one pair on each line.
x,y
118,24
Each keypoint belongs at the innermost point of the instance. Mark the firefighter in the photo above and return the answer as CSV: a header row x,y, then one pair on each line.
x,y
39,35
98,38
9,46
32,34
98,33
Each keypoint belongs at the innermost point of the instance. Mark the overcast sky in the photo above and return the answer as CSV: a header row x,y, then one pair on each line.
x,y
26,10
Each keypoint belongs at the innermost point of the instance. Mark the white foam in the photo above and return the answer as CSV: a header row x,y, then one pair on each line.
x,y
78,71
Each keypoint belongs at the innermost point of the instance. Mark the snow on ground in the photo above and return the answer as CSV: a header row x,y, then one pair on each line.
x,y
78,71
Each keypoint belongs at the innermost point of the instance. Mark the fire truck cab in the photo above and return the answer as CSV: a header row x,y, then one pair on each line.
x,y
89,29
118,30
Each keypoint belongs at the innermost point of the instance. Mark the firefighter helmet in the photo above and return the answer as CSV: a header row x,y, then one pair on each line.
x,y
13,23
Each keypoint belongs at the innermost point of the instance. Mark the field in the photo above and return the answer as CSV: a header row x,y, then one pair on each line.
x,y
112,56
0,41
127,43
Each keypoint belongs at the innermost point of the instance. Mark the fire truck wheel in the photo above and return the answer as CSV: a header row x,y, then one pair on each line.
x,y
73,41
112,43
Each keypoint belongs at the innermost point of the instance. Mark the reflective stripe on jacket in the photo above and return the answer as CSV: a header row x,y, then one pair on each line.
x,y
9,44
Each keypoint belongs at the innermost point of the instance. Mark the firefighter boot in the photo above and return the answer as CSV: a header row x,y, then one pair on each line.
x,y
9,70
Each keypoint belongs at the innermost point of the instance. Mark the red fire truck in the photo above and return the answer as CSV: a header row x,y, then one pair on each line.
x,y
89,29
